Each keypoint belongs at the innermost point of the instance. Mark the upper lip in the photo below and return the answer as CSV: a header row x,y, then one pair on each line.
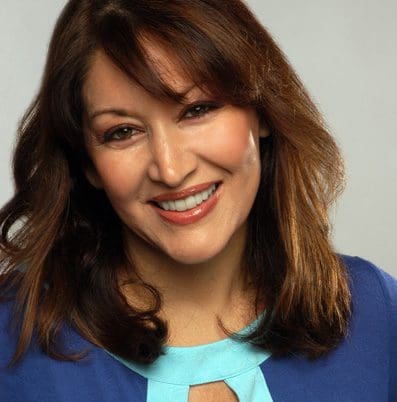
x,y
183,193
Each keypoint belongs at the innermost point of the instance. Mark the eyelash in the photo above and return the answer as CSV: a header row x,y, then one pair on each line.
x,y
110,134
197,111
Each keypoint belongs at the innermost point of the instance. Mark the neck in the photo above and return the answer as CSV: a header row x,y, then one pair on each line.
x,y
197,293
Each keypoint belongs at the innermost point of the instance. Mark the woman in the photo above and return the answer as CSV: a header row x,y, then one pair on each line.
x,y
168,239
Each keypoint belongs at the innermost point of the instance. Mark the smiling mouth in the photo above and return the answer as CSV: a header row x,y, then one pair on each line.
x,y
189,202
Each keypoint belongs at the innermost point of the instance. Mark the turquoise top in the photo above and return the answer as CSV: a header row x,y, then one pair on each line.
x,y
229,360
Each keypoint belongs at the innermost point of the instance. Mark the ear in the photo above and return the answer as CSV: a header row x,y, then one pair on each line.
x,y
92,176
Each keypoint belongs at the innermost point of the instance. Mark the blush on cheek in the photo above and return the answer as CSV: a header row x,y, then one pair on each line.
x,y
115,183
234,145
120,175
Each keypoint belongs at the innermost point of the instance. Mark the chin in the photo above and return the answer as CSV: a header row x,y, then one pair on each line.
x,y
195,254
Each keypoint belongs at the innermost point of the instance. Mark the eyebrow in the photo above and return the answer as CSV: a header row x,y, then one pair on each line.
x,y
110,110
125,113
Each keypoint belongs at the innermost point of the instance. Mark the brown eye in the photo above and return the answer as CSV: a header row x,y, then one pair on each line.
x,y
120,133
199,110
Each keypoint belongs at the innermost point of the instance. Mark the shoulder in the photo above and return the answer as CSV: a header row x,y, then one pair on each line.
x,y
374,311
37,377
8,293
8,326
367,279
374,292
7,300
363,366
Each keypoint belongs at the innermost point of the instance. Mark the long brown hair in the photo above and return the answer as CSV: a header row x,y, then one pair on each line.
x,y
64,236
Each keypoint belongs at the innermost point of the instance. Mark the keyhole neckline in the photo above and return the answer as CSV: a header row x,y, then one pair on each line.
x,y
199,364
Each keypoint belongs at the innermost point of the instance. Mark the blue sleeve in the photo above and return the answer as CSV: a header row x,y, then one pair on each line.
x,y
389,285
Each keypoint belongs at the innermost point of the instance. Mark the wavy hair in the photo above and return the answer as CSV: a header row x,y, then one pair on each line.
x,y
68,238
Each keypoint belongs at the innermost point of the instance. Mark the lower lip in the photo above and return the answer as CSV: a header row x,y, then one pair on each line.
x,y
191,215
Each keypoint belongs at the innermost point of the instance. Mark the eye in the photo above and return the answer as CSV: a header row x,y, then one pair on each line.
x,y
120,133
199,110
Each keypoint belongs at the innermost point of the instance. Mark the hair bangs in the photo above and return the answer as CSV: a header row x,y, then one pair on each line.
x,y
127,40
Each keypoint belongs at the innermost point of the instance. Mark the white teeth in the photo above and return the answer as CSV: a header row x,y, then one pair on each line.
x,y
172,205
189,202
198,198
180,205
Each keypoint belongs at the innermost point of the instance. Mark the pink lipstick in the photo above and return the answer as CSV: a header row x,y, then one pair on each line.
x,y
189,205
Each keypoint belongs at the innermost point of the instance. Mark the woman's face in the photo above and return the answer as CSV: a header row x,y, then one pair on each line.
x,y
182,177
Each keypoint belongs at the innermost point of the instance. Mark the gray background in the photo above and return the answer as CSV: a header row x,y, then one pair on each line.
x,y
345,51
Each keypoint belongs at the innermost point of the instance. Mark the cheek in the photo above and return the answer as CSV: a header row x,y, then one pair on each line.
x,y
119,175
234,145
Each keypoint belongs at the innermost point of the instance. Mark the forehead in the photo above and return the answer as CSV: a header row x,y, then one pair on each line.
x,y
103,71
165,64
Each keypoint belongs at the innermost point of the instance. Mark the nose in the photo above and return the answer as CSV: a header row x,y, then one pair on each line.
x,y
172,159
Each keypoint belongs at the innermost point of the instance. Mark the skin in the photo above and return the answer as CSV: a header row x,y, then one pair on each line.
x,y
166,147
